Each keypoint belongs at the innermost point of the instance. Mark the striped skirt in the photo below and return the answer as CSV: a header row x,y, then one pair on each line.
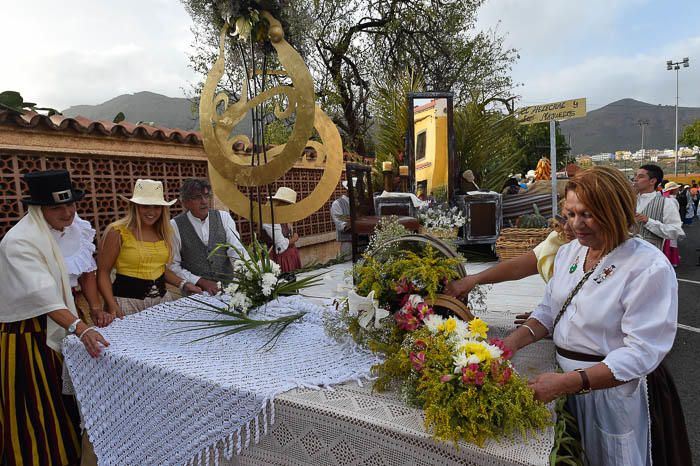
x,y
38,424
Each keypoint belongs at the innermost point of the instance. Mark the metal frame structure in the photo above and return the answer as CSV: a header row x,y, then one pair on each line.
x,y
453,163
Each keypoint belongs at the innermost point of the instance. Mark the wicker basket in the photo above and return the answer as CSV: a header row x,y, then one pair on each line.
x,y
516,241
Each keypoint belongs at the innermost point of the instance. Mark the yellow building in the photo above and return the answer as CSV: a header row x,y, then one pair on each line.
x,y
430,130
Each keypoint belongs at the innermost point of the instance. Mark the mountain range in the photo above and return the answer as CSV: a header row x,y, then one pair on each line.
x,y
616,127
607,129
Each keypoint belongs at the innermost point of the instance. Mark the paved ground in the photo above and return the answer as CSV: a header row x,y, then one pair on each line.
x,y
683,361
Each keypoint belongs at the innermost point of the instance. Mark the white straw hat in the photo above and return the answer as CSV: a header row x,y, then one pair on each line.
x,y
149,192
671,185
285,194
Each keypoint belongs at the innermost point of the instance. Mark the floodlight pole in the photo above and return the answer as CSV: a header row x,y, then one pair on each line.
x,y
671,65
553,162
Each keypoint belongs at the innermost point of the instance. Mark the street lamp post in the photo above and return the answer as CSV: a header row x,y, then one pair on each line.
x,y
642,124
671,65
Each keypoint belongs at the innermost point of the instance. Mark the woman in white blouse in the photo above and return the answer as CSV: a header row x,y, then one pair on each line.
x,y
611,308
77,246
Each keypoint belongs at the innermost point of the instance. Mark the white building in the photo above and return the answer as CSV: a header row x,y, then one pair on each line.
x,y
603,157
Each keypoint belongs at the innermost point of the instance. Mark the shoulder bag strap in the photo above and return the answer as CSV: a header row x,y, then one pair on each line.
x,y
571,296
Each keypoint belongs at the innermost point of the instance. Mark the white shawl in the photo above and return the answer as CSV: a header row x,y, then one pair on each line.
x,y
34,278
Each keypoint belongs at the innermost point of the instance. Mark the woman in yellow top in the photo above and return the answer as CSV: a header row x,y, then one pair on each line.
x,y
539,260
139,246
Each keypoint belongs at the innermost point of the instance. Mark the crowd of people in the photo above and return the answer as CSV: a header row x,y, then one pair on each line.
x,y
48,262
610,303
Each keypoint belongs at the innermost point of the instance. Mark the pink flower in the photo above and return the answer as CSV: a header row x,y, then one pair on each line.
x,y
467,376
473,367
446,378
420,344
507,373
507,352
479,378
404,286
418,360
424,311
406,321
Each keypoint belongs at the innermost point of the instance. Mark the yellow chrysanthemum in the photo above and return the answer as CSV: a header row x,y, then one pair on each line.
x,y
478,327
478,350
450,325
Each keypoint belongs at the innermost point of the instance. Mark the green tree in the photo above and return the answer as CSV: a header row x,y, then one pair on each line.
x,y
391,122
691,134
349,44
533,140
486,143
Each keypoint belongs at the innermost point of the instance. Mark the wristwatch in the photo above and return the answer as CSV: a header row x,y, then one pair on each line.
x,y
586,384
73,327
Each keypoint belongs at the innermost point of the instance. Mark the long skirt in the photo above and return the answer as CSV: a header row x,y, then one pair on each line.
x,y
289,260
132,305
672,252
38,424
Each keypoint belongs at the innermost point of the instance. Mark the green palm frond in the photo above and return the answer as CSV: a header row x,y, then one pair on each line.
x,y
486,143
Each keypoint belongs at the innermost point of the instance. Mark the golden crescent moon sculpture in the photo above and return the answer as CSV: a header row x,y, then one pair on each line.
x,y
216,129
228,170
233,197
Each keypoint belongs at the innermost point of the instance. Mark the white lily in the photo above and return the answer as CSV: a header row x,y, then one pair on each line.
x,y
366,308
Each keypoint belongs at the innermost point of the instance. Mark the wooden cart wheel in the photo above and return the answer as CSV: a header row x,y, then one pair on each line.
x,y
452,304
444,301
438,244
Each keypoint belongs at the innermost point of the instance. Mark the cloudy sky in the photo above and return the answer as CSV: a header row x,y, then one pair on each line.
x,y
85,52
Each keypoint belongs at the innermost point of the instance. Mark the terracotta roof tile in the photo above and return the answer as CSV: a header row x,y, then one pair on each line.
x,y
84,125
420,108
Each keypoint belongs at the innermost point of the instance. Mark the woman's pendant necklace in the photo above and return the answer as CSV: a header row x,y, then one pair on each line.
x,y
574,266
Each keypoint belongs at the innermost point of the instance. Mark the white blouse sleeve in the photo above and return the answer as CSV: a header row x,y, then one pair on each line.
x,y
671,227
83,260
650,316
281,243
544,313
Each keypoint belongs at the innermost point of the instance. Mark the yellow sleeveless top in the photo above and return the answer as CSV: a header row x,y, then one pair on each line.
x,y
141,259
545,252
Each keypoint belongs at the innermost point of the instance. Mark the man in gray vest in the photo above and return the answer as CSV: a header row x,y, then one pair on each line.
x,y
657,217
340,213
197,232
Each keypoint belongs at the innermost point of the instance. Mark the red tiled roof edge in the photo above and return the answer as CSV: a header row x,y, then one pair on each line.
x,y
84,125
420,108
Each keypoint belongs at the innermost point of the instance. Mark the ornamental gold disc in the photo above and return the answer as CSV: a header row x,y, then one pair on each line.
x,y
239,203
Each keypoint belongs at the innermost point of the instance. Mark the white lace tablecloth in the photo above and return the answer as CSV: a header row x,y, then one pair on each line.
x,y
351,425
154,397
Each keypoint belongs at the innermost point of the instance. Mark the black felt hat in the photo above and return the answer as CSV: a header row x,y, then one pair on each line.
x,y
50,187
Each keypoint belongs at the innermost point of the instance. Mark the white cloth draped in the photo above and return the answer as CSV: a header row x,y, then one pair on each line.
x,y
157,397
34,277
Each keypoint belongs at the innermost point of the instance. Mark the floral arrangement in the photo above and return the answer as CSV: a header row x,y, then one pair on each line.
x,y
463,380
441,220
256,280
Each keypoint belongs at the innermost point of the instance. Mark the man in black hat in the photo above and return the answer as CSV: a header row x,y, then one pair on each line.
x,y
37,311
